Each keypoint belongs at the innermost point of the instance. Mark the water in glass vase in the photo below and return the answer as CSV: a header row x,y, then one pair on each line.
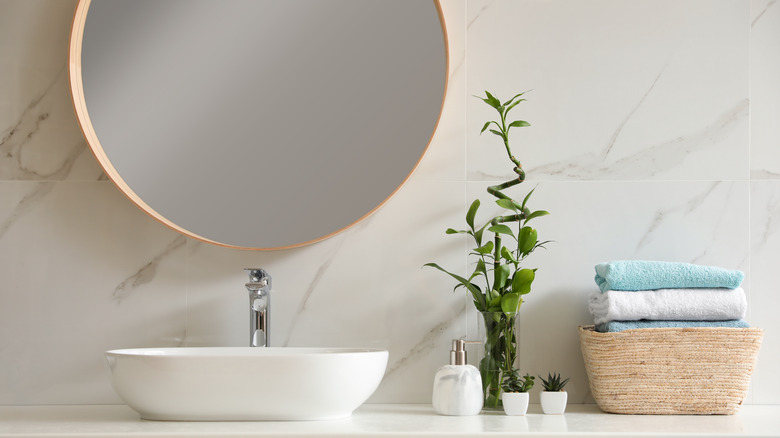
x,y
499,354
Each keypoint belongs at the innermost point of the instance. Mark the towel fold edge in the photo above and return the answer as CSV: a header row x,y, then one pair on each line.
x,y
619,326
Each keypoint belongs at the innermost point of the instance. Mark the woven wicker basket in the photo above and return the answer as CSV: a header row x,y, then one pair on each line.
x,y
701,370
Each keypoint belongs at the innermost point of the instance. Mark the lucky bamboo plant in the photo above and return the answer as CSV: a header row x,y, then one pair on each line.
x,y
498,280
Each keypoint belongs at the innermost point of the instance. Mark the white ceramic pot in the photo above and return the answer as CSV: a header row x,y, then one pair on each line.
x,y
553,402
515,403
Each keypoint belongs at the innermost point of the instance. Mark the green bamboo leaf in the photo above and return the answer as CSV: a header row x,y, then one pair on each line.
x,y
519,124
471,213
541,244
502,275
507,255
487,124
481,266
507,203
474,289
537,213
486,248
479,269
454,231
510,303
521,282
501,229
500,134
526,240
509,108
479,232
513,98
492,101
525,200
486,101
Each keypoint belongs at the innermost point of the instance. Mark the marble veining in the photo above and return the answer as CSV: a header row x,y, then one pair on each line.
x,y
484,7
715,201
147,272
455,23
29,137
31,108
762,12
650,160
685,208
313,284
619,129
764,174
768,227
459,64
427,343
23,208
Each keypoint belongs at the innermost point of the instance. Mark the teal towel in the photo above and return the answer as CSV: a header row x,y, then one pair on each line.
x,y
619,326
648,275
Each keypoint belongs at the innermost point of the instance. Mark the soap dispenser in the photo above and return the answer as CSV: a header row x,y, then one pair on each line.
x,y
457,387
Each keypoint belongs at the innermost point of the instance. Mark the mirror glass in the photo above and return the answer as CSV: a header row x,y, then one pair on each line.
x,y
259,124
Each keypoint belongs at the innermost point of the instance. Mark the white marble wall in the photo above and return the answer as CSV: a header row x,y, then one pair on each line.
x,y
765,191
653,137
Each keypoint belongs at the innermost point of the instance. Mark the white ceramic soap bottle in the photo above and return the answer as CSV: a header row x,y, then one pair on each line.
x,y
457,387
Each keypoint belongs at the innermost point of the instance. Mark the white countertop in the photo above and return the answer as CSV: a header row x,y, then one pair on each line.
x,y
389,421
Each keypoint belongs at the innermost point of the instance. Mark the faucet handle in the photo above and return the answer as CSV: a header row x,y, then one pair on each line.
x,y
258,275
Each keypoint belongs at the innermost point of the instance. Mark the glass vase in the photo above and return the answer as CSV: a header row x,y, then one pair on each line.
x,y
499,354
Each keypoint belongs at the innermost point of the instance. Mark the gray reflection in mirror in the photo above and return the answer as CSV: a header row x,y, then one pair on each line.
x,y
263,124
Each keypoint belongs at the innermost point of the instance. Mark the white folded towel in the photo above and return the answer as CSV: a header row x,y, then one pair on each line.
x,y
668,304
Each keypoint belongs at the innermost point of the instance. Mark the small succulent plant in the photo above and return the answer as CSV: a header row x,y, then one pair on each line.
x,y
553,382
512,382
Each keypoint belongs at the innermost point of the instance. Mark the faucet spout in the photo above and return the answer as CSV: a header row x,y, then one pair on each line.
x,y
259,287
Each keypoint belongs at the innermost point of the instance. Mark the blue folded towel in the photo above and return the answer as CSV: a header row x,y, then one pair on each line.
x,y
647,275
619,326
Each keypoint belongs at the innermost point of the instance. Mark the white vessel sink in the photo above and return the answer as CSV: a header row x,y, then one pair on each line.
x,y
243,383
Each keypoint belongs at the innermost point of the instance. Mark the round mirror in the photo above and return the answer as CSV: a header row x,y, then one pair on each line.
x,y
259,124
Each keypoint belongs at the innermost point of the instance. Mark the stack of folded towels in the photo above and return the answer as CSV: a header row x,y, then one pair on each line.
x,y
647,294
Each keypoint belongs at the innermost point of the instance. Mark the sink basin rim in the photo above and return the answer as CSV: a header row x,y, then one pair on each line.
x,y
174,352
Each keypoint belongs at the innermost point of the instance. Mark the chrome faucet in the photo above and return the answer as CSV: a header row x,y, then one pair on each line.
x,y
259,304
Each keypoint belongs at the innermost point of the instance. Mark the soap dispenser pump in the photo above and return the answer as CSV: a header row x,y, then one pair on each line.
x,y
457,387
